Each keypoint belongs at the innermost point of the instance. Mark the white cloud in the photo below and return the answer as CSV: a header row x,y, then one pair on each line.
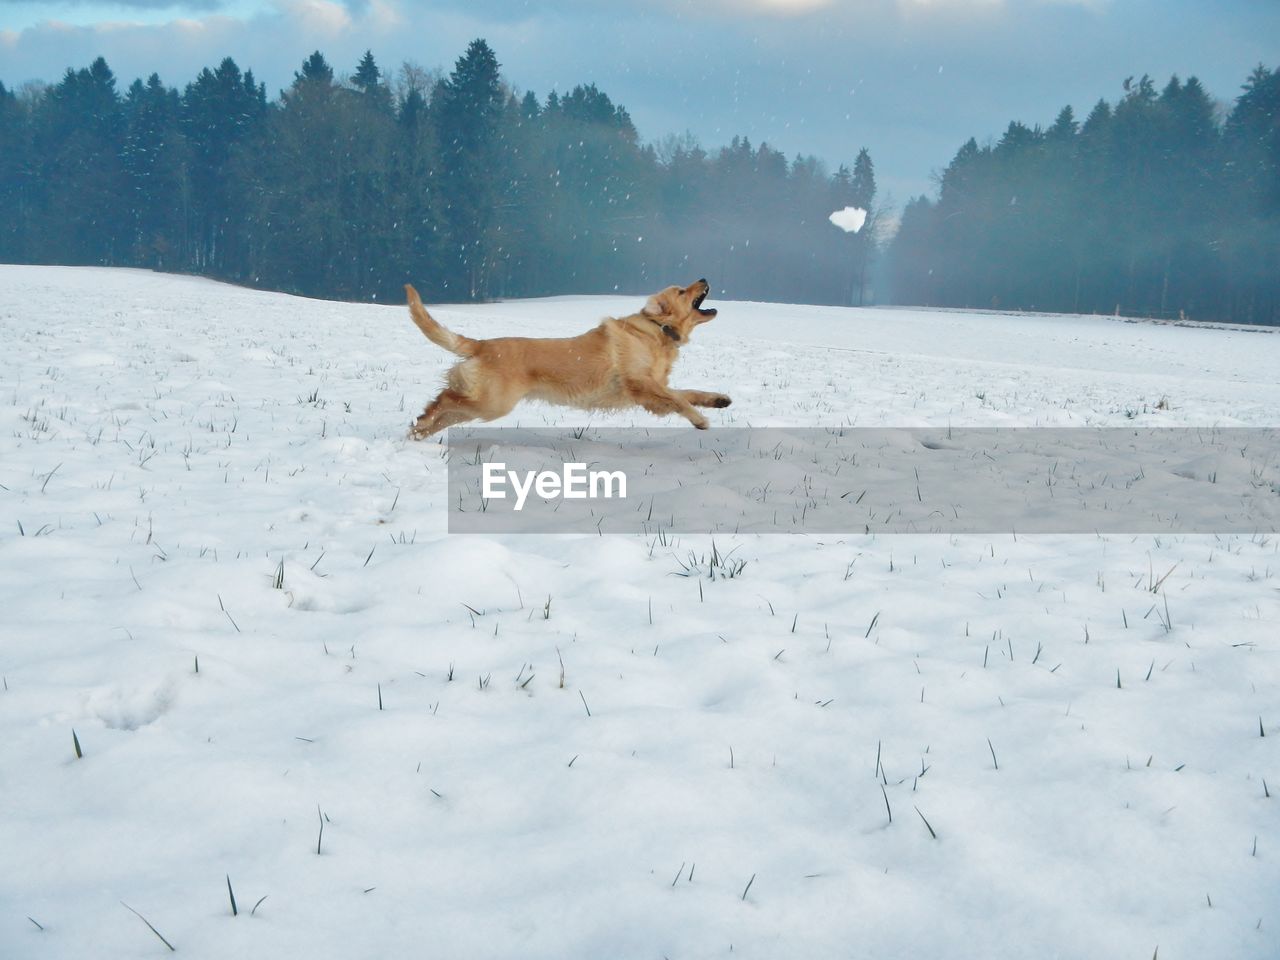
x,y
320,16
787,7
745,8
384,16
953,4
797,8
984,5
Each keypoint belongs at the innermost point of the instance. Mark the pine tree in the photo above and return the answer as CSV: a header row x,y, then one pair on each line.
x,y
1251,235
223,111
300,178
529,108
368,206
416,199
153,155
913,255
863,193
315,71
77,131
368,80
471,104
15,177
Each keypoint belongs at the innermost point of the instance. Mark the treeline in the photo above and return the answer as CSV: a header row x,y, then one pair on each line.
x,y
1151,207
349,187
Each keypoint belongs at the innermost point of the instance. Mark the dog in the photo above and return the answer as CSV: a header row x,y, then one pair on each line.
x,y
623,362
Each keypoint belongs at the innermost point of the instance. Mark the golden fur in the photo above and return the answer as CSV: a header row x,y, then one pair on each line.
x,y
623,362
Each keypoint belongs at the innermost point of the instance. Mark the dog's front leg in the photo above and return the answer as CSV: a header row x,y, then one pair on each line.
x,y
704,398
660,400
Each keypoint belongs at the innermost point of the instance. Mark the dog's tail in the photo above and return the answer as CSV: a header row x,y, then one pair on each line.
x,y
437,334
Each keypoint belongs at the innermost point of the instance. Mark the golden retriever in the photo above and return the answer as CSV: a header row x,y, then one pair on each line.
x,y
623,362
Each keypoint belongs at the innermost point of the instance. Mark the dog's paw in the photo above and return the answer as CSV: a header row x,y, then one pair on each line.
x,y
700,424
721,400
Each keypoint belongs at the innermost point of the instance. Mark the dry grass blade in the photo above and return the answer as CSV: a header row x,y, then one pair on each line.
x,y
171,947
927,824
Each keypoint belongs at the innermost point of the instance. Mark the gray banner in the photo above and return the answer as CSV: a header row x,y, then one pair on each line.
x,y
855,480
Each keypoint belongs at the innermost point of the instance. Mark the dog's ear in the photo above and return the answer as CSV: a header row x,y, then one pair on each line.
x,y
653,307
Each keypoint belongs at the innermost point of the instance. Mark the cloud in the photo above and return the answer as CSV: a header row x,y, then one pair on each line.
x,y
320,16
329,17
49,5
987,4
739,9
953,4
783,7
272,37
858,10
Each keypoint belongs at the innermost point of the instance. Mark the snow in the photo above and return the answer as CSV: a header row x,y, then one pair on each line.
x,y
849,219
170,445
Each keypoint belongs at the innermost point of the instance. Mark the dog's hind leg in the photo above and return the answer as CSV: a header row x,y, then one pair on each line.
x,y
703,398
446,410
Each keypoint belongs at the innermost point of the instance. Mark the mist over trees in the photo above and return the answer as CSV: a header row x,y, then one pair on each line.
x,y
347,187
1150,207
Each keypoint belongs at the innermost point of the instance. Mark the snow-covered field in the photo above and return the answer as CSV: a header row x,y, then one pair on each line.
x,y
225,569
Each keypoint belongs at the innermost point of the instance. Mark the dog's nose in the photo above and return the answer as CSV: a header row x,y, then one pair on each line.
x,y
703,281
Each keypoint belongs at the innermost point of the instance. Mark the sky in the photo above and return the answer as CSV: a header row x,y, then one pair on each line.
x,y
910,80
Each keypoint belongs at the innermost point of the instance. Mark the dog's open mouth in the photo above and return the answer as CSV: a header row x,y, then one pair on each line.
x,y
697,305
